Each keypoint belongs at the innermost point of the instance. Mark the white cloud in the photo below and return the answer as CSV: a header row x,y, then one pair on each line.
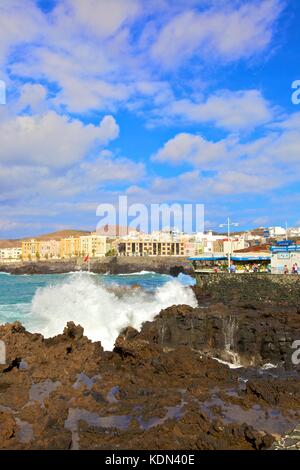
x,y
96,54
240,182
19,22
102,17
226,109
81,95
30,184
51,139
227,33
230,166
32,96
105,169
192,149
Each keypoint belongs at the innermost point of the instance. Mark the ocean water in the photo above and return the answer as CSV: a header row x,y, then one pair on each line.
x,y
102,304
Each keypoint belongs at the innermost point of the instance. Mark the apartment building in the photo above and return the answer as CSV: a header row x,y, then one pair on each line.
x,y
69,247
49,249
277,232
40,249
93,245
13,254
30,249
149,247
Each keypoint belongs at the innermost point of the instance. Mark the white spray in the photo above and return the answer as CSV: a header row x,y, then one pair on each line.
x,y
101,312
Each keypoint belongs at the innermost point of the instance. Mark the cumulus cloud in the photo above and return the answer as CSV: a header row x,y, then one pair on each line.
x,y
191,148
19,22
102,17
32,96
232,111
232,166
31,184
111,169
84,59
51,139
227,33
96,54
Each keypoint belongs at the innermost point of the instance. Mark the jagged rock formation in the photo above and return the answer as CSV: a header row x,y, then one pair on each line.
x,y
160,388
67,393
243,334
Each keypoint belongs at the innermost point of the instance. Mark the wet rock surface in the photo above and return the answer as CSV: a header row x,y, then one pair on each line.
x,y
149,393
289,442
234,333
167,386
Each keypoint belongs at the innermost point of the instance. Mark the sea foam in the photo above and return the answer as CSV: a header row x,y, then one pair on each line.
x,y
101,312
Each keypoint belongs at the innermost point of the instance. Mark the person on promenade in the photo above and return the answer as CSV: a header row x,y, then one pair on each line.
x,y
232,268
295,268
286,269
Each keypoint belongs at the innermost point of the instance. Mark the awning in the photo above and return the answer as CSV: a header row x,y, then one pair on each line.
x,y
233,258
251,258
208,258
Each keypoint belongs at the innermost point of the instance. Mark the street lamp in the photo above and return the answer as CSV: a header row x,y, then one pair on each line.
x,y
228,225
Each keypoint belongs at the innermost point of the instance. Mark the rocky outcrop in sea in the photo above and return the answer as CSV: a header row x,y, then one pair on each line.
x,y
172,265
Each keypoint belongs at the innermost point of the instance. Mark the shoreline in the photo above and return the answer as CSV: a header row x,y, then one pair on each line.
x,y
112,265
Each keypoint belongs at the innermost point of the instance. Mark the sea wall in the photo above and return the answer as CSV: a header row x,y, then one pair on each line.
x,y
113,265
251,289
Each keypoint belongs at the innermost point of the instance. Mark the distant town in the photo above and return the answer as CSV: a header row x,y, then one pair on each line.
x,y
263,247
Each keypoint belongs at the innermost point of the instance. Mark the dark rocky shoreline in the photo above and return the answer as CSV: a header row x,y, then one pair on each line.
x,y
160,388
113,265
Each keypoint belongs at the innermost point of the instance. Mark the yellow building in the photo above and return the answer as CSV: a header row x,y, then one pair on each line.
x,y
69,247
30,249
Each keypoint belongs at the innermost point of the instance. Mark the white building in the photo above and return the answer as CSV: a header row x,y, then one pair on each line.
x,y
277,232
11,254
205,241
294,232
251,237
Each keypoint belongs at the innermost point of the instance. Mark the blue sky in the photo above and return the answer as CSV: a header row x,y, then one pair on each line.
x,y
163,101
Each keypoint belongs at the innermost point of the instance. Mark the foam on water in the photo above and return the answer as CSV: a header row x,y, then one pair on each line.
x,y
87,301
139,273
228,364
